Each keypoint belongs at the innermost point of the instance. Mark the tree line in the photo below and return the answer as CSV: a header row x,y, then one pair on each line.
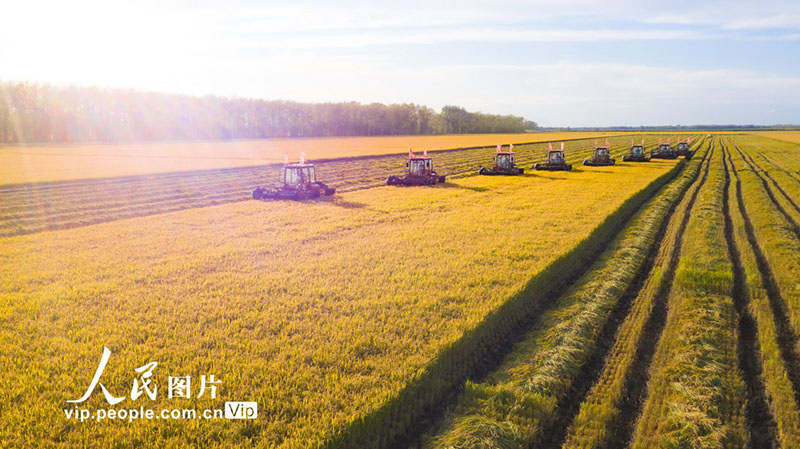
x,y
32,112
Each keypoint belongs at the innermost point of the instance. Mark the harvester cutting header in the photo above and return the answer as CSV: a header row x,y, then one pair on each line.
x,y
682,149
419,172
504,163
299,181
636,154
601,156
663,151
555,160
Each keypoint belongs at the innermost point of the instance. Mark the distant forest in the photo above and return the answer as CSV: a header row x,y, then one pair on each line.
x,y
31,112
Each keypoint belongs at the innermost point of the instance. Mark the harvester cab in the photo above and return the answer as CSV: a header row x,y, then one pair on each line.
x,y
555,160
601,156
682,149
504,163
419,172
298,181
420,166
636,154
663,151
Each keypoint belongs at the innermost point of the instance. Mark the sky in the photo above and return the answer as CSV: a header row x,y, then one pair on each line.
x,y
557,62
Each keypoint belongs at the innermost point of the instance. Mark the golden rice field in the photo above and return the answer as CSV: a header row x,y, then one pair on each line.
x,y
38,163
319,311
642,305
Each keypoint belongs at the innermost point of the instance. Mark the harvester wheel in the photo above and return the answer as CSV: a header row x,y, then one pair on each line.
x,y
257,193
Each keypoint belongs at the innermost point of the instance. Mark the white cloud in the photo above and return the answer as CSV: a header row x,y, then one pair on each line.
x,y
761,23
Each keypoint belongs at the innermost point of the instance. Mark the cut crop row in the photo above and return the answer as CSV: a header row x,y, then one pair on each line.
x,y
776,365
607,415
776,238
696,395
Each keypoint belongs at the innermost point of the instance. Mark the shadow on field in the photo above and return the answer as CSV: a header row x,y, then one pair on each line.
x,y
458,186
557,178
336,201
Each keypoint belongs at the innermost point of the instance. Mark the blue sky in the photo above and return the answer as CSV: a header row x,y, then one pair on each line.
x,y
560,63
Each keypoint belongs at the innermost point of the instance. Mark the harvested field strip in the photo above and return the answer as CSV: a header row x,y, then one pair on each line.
x,y
760,418
505,405
771,243
770,160
777,371
607,415
31,208
787,205
53,162
696,396
776,234
783,156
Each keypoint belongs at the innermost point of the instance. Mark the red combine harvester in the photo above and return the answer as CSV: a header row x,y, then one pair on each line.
x,y
419,172
682,149
601,156
663,151
555,160
637,153
299,182
504,164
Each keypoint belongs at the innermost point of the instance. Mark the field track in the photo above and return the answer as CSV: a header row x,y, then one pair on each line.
x,y
787,335
590,371
665,256
36,207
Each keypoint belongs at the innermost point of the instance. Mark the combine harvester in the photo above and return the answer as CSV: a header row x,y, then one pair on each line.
x,y
555,160
636,154
419,172
663,151
299,182
682,148
504,163
601,156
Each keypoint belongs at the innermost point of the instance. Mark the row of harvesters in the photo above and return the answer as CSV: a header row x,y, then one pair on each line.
x,y
666,151
299,181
